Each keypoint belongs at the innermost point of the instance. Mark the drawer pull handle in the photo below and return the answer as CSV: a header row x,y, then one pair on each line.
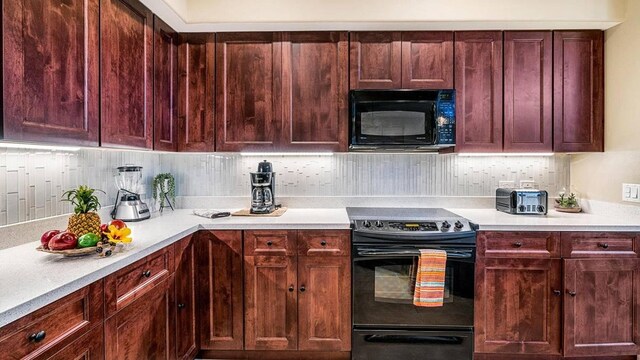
x,y
269,243
603,245
517,244
557,292
302,288
181,306
37,337
572,293
146,273
323,243
291,288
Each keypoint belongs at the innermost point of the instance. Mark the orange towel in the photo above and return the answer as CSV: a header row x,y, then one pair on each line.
x,y
429,291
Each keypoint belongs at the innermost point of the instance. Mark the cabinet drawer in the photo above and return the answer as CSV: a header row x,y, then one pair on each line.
x,y
54,326
126,285
323,243
519,244
277,242
584,245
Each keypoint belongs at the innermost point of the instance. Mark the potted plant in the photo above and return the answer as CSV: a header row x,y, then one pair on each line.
x,y
164,190
568,203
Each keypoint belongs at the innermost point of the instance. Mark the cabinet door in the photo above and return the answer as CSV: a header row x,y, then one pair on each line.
x,y
578,91
427,60
528,61
185,334
219,289
165,86
248,106
145,328
324,303
478,82
601,307
90,346
196,55
270,303
126,40
517,306
375,60
315,91
50,71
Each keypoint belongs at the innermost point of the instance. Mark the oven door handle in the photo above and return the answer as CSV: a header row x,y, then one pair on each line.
x,y
405,253
414,339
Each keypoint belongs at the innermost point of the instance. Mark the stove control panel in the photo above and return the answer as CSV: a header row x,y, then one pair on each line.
x,y
381,226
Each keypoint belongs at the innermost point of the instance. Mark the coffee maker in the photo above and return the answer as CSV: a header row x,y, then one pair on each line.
x,y
263,189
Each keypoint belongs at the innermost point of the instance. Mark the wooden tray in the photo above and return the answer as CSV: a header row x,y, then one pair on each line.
x,y
247,212
71,252
574,210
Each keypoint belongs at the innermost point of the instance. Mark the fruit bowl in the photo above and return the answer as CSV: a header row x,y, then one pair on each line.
x,y
70,252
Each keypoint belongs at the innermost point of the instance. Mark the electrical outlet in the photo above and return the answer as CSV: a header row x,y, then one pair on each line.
x,y
631,192
528,184
507,184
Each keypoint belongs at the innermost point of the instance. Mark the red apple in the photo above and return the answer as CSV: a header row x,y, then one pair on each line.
x,y
46,237
119,224
63,241
104,228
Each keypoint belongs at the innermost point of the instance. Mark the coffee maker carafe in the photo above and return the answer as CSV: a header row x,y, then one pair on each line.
x,y
263,189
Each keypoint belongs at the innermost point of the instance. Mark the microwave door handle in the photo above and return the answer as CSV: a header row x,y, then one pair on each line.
x,y
414,339
434,116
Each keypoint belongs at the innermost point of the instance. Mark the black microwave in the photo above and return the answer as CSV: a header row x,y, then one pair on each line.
x,y
402,120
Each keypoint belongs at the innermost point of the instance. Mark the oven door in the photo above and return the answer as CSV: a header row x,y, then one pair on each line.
x,y
384,283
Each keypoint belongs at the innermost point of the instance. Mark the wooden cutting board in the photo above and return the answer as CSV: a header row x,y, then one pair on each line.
x,y
247,212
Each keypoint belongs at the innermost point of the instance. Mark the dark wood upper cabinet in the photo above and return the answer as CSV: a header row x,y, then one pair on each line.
x,y
315,91
578,89
528,72
248,76
126,38
601,307
165,86
478,83
185,333
196,54
219,289
427,60
376,60
50,71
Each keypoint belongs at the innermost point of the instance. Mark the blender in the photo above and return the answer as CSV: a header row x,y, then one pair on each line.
x,y
129,206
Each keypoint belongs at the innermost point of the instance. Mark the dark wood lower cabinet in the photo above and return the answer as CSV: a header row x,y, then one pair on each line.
x,y
144,329
185,301
517,306
601,307
90,346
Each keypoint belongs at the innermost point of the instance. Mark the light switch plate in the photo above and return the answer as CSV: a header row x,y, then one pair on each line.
x,y
631,192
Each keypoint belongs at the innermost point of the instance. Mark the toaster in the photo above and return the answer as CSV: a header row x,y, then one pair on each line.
x,y
522,201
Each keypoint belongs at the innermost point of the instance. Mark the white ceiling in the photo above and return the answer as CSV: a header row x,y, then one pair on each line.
x,y
292,15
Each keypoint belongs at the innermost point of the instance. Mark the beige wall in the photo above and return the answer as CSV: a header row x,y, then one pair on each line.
x,y
600,176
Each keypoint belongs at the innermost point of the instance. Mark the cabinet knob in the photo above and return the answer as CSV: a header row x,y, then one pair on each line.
x,y
603,245
146,273
291,288
557,292
269,243
181,306
572,293
323,243
37,337
302,288
517,244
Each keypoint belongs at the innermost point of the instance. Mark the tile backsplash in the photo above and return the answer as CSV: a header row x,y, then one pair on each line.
x,y
32,181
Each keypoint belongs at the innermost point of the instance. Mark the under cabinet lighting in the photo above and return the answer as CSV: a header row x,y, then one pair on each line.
x,y
505,154
7,145
286,154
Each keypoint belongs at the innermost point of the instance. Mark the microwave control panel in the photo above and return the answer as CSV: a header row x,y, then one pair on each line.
x,y
446,117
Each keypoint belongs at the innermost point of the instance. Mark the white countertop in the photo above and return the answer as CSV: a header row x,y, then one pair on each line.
x,y
30,280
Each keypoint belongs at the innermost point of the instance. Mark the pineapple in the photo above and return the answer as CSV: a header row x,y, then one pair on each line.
x,y
85,219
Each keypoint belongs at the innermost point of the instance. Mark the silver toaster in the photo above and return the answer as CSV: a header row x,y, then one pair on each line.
x,y
522,201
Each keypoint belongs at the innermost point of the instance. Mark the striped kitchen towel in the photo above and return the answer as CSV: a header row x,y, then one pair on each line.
x,y
429,291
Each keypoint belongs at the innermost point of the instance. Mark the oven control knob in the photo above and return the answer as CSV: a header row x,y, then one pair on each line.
x,y
459,225
366,224
379,224
445,226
